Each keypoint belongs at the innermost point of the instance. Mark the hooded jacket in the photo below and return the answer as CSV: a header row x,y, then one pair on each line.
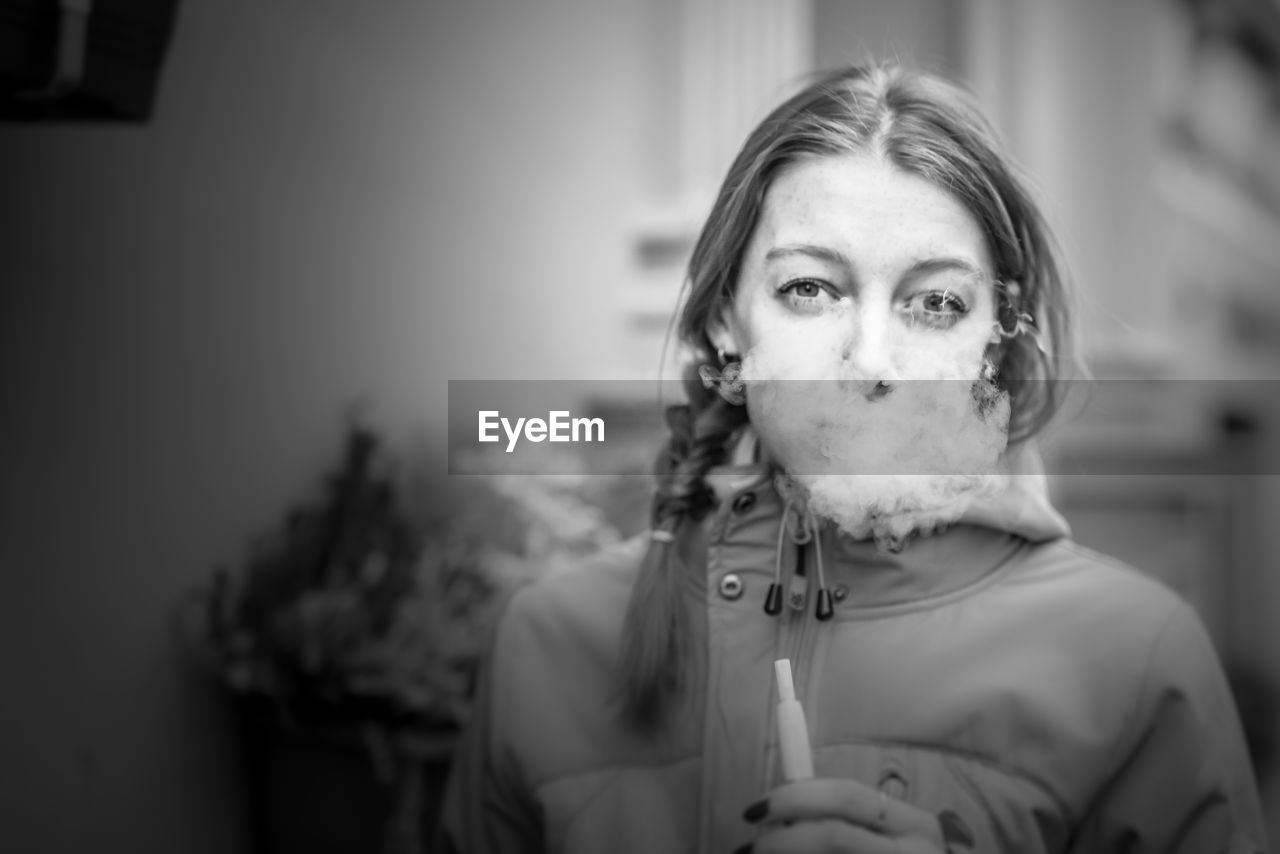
x,y
1049,698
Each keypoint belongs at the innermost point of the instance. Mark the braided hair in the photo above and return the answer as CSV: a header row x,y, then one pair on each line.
x,y
661,643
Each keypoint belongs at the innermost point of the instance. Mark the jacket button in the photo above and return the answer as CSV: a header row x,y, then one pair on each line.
x,y
892,784
840,592
731,586
744,502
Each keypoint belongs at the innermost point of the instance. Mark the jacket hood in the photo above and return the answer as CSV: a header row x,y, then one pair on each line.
x,y
1022,508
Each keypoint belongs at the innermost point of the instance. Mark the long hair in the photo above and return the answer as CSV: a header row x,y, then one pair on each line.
x,y
923,125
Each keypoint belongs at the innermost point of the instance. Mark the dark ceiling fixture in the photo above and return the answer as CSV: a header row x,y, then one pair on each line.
x,y
82,60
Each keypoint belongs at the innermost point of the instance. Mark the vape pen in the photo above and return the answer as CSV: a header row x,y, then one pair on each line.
x,y
793,734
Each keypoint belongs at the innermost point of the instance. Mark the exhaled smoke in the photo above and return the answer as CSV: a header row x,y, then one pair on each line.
x,y
882,457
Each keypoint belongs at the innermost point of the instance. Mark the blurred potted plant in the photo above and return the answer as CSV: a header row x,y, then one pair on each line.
x,y
351,636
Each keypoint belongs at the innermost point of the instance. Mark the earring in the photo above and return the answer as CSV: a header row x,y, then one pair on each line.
x,y
1011,321
1013,324
726,381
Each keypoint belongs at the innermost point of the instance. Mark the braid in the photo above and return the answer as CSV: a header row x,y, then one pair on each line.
x,y
659,631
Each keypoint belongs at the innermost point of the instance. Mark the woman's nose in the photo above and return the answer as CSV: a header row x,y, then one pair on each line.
x,y
868,348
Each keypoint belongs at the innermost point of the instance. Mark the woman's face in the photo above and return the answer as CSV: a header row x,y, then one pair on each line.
x,y
873,287
857,261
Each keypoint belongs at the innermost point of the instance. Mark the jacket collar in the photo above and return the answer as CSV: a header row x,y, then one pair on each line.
x,y
746,527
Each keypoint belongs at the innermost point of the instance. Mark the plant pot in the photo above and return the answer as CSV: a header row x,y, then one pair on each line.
x,y
338,787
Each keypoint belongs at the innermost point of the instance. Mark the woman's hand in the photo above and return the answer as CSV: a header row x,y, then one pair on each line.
x,y
837,815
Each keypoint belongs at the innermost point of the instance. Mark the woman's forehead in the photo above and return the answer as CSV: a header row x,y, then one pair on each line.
x,y
860,204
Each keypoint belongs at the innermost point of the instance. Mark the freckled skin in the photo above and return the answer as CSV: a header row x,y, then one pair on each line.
x,y
882,220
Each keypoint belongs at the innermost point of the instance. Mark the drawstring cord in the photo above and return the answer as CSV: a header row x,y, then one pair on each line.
x,y
773,599
825,609
805,532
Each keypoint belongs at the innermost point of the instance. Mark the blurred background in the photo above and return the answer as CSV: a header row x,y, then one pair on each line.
x,y
278,223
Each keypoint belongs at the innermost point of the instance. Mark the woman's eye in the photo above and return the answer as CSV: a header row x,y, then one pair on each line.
x,y
804,293
937,308
806,289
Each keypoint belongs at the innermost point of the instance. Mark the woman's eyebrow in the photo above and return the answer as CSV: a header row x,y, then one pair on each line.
x,y
921,267
927,266
812,250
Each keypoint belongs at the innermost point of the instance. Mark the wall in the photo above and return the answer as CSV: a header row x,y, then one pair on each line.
x,y
916,32
334,203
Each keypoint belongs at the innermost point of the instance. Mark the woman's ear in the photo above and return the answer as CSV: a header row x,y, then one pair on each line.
x,y
722,334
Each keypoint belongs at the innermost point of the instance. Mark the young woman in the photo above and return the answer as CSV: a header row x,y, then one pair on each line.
x,y
878,320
